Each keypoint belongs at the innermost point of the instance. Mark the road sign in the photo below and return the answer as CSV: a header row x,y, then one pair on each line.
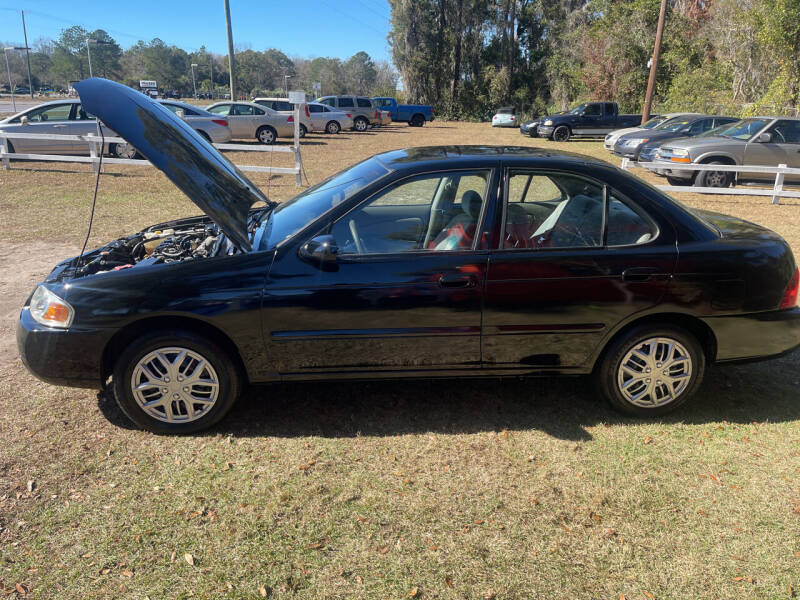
x,y
146,84
297,97
316,86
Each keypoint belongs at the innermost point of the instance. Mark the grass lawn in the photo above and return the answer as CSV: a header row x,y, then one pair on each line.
x,y
429,489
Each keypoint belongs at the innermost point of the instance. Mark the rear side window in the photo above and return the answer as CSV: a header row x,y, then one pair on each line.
x,y
626,226
364,103
345,102
282,105
609,108
315,108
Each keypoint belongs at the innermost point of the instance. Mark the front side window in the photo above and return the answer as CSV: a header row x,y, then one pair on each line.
x,y
59,112
437,212
82,115
593,110
744,129
785,132
221,109
559,210
328,101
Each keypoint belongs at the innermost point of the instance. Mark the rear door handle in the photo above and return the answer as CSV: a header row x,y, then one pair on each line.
x,y
58,126
456,281
639,273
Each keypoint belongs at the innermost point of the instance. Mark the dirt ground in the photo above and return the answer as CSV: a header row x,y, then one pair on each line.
x,y
479,489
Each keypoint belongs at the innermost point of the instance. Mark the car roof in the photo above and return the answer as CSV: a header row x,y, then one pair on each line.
x,y
407,157
270,98
767,117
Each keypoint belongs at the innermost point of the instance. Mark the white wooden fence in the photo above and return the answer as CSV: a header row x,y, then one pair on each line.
x,y
777,192
94,142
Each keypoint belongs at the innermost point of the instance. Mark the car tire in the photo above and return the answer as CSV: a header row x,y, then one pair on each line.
x,y
333,127
156,357
360,124
672,357
677,181
303,130
561,133
124,151
10,147
417,121
715,179
266,135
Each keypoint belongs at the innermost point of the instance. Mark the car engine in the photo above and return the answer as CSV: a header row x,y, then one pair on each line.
x,y
154,246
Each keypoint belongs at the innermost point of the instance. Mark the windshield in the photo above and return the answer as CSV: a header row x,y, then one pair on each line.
x,y
674,124
652,122
291,216
577,110
744,129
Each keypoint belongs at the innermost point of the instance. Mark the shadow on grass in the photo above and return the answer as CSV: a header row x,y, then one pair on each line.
x,y
561,407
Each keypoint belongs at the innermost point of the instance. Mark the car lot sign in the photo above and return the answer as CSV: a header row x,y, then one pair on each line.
x,y
297,97
147,84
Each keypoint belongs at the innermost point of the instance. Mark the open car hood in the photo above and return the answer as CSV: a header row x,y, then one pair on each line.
x,y
191,163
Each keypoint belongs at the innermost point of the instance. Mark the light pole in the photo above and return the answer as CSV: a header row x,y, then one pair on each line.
x,y
286,79
88,52
194,84
10,85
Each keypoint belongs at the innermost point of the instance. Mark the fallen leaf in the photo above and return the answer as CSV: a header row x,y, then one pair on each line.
x,y
173,556
414,592
359,580
797,554
648,440
622,597
263,591
740,578
105,571
318,545
383,550
791,592
21,590
87,555
478,521
127,573
448,581
362,519
596,518
189,558
648,595
31,485
608,532
490,595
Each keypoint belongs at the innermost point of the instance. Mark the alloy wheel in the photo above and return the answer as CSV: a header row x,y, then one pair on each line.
x,y
655,372
175,385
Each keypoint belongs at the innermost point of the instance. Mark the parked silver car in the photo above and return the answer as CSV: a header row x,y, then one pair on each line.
x,y
363,111
505,116
248,120
209,125
757,141
327,119
282,105
60,117
653,121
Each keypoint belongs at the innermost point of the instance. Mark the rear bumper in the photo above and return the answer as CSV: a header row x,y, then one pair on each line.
x,y
71,357
757,336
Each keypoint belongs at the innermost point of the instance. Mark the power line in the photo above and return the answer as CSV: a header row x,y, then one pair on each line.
x,y
353,18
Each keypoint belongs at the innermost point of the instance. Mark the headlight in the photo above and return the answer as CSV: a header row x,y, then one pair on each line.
x,y
680,152
548,122
48,309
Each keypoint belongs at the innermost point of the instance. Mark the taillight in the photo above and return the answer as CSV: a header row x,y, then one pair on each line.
x,y
291,119
308,112
220,122
790,295
349,116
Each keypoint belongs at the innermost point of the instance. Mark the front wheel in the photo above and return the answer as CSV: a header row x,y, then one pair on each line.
x,y
124,151
651,370
561,133
333,127
361,124
266,135
175,382
714,179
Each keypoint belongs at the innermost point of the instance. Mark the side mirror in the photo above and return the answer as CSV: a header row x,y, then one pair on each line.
x,y
181,113
764,138
322,252
23,120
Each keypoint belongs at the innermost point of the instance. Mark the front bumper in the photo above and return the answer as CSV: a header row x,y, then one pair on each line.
x,y
545,131
757,336
70,357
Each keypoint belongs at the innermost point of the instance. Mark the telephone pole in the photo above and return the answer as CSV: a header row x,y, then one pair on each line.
x,y
651,82
27,54
230,46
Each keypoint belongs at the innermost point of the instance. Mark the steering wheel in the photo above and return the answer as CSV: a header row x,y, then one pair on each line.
x,y
356,240
778,133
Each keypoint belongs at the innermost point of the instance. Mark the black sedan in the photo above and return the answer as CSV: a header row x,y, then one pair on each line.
x,y
425,262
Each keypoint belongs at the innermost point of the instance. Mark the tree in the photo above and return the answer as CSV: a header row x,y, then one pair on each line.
x,y
360,73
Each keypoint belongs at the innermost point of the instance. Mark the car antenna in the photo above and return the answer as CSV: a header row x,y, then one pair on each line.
x,y
94,198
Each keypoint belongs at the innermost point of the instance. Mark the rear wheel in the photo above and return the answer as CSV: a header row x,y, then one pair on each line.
x,y
124,151
333,127
417,121
651,370
715,179
303,130
175,382
266,135
561,133
360,124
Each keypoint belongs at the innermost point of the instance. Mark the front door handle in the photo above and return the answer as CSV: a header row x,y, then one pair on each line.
x,y
639,273
58,126
456,281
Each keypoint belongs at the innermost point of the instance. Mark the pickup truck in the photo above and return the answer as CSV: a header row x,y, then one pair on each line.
x,y
590,119
413,114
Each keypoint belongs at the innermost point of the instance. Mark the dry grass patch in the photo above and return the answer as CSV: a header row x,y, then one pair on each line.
x,y
506,489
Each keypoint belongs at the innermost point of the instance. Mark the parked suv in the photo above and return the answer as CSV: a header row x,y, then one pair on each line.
x,y
363,111
757,141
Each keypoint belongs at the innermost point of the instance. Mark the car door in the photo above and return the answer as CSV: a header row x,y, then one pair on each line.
x,y
783,148
240,128
564,275
52,119
591,121
317,116
405,293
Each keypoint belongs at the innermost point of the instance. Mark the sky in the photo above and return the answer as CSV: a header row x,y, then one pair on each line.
x,y
303,29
